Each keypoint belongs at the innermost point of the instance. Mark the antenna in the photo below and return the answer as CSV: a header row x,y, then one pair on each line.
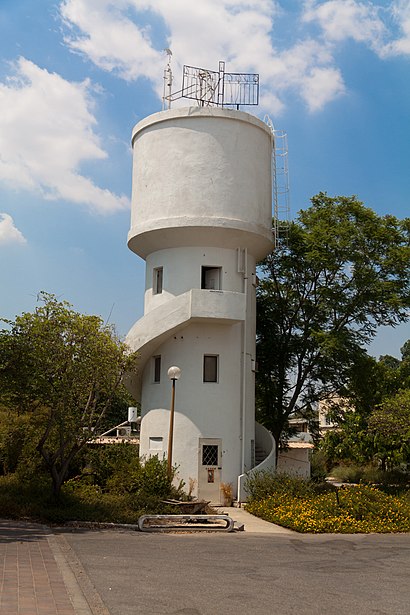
x,y
216,88
168,78
280,183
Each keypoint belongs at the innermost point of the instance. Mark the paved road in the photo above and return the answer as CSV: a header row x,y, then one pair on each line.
x,y
243,573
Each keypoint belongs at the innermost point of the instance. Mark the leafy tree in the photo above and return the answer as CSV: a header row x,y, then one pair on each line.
x,y
369,391
390,425
342,272
65,368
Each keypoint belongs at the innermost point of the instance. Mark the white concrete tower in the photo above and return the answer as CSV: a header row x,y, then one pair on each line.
x,y
201,219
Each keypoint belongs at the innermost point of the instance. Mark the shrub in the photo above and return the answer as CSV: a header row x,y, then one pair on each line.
x,y
360,509
103,462
318,466
370,474
13,434
348,473
149,477
79,501
263,483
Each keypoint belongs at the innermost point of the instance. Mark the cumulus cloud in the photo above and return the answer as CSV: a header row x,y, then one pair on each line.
x,y
112,35
385,30
103,32
9,233
401,15
46,132
342,19
119,36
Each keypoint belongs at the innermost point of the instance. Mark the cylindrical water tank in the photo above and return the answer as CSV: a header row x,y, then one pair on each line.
x,y
201,176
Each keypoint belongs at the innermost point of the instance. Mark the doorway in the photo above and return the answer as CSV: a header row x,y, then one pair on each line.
x,y
209,471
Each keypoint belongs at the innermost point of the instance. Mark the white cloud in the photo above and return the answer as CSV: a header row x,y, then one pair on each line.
x,y
365,22
9,233
322,86
111,40
118,36
200,34
46,132
343,19
401,15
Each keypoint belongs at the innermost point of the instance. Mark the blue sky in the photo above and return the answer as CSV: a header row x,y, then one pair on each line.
x,y
76,75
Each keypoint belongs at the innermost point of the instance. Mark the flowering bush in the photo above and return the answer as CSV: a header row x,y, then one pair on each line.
x,y
349,510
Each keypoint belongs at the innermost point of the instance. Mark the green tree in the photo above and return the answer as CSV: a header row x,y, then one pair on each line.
x,y
342,272
65,368
389,423
365,417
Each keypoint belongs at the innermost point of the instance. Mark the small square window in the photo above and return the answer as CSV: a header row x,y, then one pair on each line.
x,y
155,443
211,278
210,368
157,368
157,280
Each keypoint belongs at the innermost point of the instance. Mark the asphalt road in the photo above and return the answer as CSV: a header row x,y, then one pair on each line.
x,y
241,574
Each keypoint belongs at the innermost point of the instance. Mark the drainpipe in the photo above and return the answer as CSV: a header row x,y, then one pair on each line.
x,y
244,355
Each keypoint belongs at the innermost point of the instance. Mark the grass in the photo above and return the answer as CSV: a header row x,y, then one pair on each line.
x,y
349,510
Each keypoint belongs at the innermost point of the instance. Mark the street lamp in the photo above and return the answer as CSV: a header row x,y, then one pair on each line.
x,y
174,373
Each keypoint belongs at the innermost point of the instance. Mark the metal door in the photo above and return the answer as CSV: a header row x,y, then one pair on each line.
x,y
209,471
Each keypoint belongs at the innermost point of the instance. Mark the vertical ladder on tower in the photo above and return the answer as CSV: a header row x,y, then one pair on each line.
x,y
280,183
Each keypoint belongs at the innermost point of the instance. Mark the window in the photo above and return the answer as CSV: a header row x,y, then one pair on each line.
x,y
210,368
155,443
157,368
210,455
211,278
157,281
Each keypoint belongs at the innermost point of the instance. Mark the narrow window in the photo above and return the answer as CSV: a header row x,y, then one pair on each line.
x,y
210,368
157,281
211,278
157,368
155,443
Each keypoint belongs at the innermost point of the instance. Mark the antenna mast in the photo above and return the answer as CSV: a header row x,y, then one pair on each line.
x,y
210,88
168,78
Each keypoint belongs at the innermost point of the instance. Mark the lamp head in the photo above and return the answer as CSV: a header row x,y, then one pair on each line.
x,y
174,373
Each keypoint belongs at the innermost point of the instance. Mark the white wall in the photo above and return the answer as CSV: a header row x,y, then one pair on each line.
x,y
295,462
182,271
202,409
199,172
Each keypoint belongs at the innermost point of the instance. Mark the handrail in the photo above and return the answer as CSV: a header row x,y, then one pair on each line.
x,y
267,464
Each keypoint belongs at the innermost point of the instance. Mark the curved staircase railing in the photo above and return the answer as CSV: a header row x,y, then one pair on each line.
x,y
265,444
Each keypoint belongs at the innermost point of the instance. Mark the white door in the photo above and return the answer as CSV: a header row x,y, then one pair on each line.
x,y
209,471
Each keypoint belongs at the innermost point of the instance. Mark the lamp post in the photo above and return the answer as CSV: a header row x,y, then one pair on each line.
x,y
174,373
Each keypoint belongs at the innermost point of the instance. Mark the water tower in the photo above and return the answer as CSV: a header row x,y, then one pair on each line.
x,y
201,219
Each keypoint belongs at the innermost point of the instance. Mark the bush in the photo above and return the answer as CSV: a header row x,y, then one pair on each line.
x,y
318,466
370,474
263,483
101,463
348,473
79,501
13,434
113,486
360,509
